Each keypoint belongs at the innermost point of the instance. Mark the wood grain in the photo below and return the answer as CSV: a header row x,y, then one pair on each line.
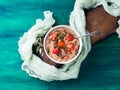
x,y
96,19
99,19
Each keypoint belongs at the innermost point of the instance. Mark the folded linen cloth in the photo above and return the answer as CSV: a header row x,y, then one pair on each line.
x,y
37,68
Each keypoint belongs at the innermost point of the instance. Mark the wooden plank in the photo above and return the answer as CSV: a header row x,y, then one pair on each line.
x,y
99,19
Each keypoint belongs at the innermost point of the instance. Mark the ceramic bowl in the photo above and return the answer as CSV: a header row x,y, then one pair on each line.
x,y
67,28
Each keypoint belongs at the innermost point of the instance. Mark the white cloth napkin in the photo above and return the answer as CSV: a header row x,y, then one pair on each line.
x,y
37,68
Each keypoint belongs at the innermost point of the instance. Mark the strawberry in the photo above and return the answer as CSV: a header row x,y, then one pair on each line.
x,y
69,37
70,47
56,51
53,36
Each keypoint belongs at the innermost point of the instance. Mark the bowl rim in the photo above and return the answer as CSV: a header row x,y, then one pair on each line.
x,y
65,62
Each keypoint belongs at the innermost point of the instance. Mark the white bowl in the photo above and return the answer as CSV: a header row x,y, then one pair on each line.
x,y
44,44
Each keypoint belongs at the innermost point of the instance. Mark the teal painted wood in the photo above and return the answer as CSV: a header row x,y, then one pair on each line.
x,y
99,71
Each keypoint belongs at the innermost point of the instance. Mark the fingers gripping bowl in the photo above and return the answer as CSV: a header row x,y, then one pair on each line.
x,y
61,44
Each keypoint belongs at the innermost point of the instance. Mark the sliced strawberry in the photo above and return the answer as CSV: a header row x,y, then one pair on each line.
x,y
56,51
66,57
70,47
69,37
53,36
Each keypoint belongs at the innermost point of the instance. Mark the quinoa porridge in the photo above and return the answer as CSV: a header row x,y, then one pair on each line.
x,y
62,44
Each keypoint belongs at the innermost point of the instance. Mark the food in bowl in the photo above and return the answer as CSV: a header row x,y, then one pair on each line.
x,y
61,44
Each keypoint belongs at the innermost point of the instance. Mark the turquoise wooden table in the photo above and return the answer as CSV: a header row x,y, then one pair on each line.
x,y
99,71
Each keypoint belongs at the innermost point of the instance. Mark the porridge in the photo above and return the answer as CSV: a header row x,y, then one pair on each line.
x,y
62,44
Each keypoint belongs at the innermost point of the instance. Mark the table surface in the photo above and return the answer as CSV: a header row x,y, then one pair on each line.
x,y
99,71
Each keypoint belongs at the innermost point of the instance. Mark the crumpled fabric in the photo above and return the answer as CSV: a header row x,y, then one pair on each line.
x,y
37,68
